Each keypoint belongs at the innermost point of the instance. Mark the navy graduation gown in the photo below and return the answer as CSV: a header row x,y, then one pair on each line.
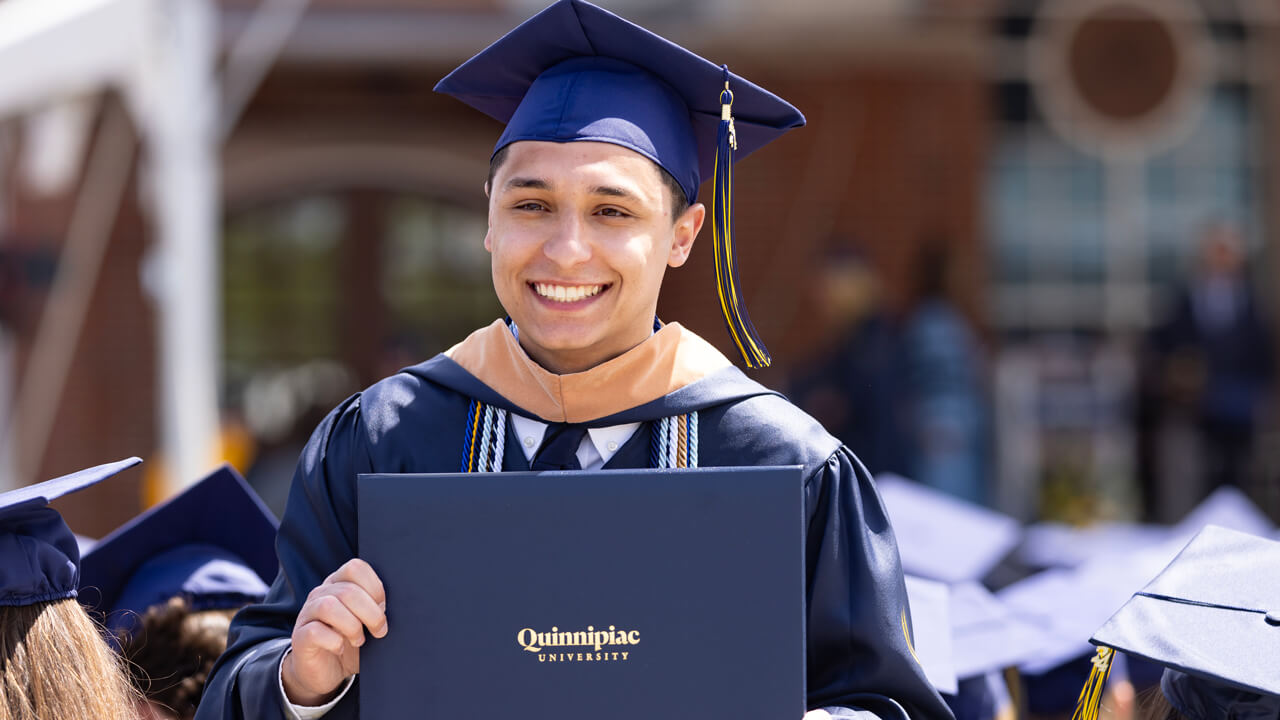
x,y
858,650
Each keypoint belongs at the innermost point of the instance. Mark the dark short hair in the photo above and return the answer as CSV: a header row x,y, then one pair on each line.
x,y
172,650
679,203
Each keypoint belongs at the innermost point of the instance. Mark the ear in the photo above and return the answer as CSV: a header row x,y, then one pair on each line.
x,y
685,232
488,244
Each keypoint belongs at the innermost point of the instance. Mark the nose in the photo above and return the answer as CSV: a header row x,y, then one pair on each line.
x,y
569,244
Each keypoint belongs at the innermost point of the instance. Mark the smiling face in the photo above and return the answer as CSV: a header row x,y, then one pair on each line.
x,y
581,234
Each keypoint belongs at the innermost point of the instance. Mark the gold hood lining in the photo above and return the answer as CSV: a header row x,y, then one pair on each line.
x,y
670,359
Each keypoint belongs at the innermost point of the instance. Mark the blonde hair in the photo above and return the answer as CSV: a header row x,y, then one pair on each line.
x,y
1153,705
55,663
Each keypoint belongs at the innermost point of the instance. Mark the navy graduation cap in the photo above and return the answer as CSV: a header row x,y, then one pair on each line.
x,y
577,72
987,635
944,538
39,555
931,631
1212,619
213,544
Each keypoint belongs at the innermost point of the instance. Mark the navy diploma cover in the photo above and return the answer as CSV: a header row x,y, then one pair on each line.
x,y
626,594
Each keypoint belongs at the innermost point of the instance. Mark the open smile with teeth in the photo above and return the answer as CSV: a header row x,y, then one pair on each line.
x,y
566,293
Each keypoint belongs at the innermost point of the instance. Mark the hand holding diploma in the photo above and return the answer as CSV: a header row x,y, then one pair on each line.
x,y
330,631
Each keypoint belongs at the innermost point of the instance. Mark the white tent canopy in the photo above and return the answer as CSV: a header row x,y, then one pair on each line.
x,y
160,54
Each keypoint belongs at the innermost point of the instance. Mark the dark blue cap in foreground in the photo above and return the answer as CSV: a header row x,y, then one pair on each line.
x,y
1212,619
39,555
214,544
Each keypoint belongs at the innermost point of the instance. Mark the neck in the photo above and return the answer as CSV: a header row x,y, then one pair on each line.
x,y
568,362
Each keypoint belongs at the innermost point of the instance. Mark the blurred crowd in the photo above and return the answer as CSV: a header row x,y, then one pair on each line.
x,y
912,391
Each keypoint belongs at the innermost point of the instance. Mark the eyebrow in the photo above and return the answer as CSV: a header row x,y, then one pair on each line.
x,y
533,183
612,191
528,183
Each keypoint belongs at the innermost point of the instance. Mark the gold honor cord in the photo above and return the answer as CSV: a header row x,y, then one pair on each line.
x,y
1090,701
741,330
906,633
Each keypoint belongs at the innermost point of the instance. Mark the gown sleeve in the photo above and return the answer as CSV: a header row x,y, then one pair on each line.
x,y
317,535
861,655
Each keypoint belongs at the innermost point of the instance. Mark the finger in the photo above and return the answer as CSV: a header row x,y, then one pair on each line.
x,y
360,573
311,637
356,601
331,609
371,613
351,662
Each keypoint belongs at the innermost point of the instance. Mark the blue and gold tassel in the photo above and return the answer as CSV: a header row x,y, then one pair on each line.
x,y
1090,701
735,312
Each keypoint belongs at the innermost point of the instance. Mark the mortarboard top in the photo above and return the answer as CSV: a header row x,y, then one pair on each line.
x,y
931,632
1226,507
576,72
987,635
1055,544
942,537
214,544
1212,619
1050,544
1068,603
39,555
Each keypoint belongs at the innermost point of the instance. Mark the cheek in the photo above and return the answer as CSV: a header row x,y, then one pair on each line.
x,y
647,260
506,249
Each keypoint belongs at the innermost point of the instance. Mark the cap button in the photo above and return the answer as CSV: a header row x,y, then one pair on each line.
x,y
1273,618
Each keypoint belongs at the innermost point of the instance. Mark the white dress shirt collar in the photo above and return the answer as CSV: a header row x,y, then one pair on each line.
x,y
598,448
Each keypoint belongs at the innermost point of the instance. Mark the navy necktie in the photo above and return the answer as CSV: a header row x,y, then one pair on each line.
x,y
559,449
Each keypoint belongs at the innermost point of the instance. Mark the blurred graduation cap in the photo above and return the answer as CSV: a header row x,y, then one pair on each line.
x,y
963,638
1067,603
1226,507
39,555
1212,619
1058,545
213,544
986,635
944,538
931,631
578,72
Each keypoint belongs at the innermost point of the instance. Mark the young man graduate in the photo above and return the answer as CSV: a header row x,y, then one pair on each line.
x,y
592,195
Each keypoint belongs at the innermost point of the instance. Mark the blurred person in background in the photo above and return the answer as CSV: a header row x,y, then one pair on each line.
x,y
54,660
945,387
1214,357
853,384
